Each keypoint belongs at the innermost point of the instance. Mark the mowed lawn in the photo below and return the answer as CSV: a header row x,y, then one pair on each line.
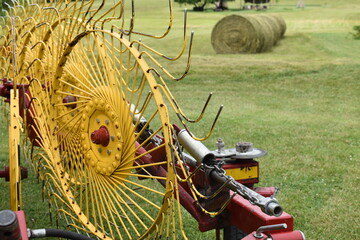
x,y
300,102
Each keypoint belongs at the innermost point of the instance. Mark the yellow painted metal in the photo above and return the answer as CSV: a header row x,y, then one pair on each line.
x,y
243,173
14,160
82,77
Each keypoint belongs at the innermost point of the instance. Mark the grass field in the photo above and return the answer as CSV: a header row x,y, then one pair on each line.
x,y
300,102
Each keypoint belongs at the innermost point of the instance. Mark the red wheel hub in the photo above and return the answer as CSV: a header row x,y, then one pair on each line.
x,y
101,136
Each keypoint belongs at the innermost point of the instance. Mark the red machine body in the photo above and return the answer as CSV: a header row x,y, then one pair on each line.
x,y
22,224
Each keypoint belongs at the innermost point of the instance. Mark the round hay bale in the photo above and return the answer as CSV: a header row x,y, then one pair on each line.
x,y
282,24
269,37
247,33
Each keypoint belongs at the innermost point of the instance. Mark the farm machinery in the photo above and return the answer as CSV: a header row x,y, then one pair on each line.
x,y
89,107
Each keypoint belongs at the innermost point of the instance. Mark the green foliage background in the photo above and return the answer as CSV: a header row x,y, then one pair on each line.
x,y
199,2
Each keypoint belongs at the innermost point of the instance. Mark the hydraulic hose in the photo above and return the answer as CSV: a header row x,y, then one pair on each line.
x,y
41,233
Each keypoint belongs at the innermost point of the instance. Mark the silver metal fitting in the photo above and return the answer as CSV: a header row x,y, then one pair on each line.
x,y
195,148
258,234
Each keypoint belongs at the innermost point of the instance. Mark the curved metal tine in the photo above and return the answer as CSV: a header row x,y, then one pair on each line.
x,y
109,19
37,6
181,50
4,71
28,19
201,114
6,37
7,14
141,111
220,210
14,62
223,186
166,31
131,27
78,11
71,26
9,7
187,62
22,8
211,129
33,46
13,6
111,9
176,106
52,8
37,60
191,174
2,19
121,17
137,89
94,13
15,2
161,67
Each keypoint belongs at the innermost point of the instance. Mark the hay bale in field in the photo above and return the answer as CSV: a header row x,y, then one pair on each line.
x,y
247,33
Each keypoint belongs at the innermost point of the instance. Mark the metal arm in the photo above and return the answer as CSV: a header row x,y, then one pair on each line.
x,y
212,167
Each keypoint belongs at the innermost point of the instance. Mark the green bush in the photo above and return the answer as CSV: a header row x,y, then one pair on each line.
x,y
356,34
196,3
199,5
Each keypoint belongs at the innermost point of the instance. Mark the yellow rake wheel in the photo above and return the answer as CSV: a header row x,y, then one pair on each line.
x,y
98,122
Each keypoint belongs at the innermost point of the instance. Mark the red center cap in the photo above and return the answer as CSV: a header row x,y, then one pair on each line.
x,y
101,136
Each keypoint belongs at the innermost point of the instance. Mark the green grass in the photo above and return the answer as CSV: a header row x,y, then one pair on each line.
x,y
300,102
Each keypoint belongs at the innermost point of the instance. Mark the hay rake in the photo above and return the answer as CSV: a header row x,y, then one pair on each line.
x,y
94,107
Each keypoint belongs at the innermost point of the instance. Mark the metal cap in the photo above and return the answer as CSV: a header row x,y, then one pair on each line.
x,y
7,218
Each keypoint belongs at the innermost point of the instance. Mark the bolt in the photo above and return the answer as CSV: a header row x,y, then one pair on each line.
x,y
97,120
99,150
70,99
112,138
107,122
113,115
108,151
220,145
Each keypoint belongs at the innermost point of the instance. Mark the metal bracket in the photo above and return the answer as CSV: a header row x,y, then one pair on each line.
x,y
258,234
